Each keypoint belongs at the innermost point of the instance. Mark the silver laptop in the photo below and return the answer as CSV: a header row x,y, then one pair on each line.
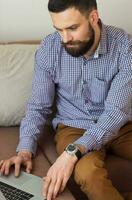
x,y
25,187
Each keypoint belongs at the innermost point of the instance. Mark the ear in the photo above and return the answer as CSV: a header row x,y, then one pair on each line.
x,y
94,17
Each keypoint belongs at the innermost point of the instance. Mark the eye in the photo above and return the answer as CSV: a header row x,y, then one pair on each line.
x,y
73,28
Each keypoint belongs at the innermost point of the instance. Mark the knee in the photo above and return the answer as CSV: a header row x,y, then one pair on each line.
x,y
89,171
82,172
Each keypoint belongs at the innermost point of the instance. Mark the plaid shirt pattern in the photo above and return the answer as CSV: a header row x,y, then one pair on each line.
x,y
94,94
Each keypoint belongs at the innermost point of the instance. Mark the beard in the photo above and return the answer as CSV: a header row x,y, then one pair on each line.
x,y
79,48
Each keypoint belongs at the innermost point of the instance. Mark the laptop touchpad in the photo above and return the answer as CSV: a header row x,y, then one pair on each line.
x,y
19,181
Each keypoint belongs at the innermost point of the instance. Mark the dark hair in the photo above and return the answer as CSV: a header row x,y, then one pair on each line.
x,y
82,5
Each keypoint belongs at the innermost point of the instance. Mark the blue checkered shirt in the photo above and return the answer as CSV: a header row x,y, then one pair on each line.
x,y
94,94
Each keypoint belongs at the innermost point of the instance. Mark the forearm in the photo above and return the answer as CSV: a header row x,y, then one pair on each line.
x,y
30,130
38,110
106,128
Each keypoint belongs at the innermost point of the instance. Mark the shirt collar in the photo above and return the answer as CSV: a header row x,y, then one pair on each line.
x,y
102,47
96,53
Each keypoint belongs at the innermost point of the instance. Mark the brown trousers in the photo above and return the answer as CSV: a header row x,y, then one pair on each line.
x,y
90,172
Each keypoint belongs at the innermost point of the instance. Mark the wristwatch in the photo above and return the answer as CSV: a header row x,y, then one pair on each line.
x,y
72,149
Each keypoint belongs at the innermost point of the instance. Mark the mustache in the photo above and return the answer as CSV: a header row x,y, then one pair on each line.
x,y
77,42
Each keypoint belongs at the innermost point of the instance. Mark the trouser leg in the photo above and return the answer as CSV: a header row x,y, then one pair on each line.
x,y
122,145
66,135
90,172
91,175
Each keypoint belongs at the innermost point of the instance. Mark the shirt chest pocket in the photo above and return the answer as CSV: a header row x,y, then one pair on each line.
x,y
95,91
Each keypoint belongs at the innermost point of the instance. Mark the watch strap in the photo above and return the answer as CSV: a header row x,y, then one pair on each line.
x,y
78,154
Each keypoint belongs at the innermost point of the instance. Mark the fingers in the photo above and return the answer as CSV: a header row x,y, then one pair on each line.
x,y
27,159
52,186
22,161
57,187
29,166
51,189
5,166
46,185
1,163
57,176
17,168
17,161
63,185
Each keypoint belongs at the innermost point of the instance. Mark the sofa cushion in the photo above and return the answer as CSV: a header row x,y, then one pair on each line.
x,y
47,145
8,141
120,172
16,67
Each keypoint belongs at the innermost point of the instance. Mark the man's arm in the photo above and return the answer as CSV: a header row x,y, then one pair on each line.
x,y
38,109
118,108
39,105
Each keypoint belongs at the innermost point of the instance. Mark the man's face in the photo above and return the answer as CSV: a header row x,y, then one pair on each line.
x,y
78,48
77,34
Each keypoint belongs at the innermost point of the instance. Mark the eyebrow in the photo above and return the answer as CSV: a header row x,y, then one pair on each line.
x,y
76,25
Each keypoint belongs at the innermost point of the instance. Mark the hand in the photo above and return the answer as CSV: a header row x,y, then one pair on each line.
x,y
58,175
22,158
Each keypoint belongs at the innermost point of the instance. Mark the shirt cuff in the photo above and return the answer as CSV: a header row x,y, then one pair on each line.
x,y
28,144
88,141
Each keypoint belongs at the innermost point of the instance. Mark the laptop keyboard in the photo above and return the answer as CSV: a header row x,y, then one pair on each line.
x,y
12,193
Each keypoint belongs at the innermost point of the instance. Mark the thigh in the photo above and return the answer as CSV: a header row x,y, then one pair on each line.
x,y
66,135
91,165
122,145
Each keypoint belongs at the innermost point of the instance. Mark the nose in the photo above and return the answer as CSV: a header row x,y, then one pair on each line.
x,y
66,37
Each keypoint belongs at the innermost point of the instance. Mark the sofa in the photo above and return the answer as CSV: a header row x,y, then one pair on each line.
x,y
16,71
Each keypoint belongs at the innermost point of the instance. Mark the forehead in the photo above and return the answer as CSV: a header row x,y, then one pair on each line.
x,y
67,18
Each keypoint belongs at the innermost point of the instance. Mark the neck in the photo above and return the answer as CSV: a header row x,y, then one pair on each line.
x,y
96,43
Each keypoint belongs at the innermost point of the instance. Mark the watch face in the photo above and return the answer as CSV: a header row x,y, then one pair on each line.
x,y
73,150
71,147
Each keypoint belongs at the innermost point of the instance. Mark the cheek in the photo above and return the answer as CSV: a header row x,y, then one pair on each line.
x,y
81,35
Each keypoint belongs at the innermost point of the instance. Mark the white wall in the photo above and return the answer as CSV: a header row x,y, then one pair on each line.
x,y
24,19
116,12
30,20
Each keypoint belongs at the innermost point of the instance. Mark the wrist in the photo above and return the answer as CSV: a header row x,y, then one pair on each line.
x,y
72,158
25,154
